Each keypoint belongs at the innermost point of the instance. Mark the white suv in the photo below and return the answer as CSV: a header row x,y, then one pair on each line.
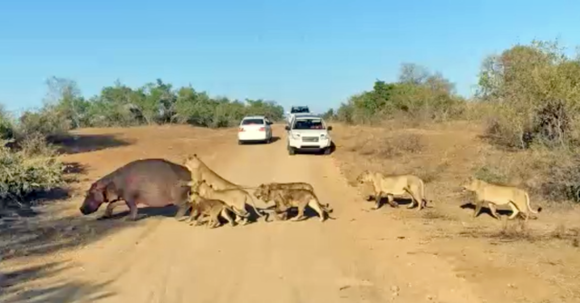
x,y
308,132
294,110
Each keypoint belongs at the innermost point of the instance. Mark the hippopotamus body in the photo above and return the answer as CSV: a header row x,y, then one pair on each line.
x,y
152,182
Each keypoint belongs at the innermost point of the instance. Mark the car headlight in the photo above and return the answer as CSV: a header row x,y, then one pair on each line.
x,y
295,136
324,136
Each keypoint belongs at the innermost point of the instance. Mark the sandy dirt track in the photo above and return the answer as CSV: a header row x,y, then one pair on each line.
x,y
361,256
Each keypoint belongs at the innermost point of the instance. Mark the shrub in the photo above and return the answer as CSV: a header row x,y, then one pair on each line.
x,y
535,90
419,95
24,175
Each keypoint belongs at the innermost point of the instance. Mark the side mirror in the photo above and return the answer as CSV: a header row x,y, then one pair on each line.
x,y
287,127
329,128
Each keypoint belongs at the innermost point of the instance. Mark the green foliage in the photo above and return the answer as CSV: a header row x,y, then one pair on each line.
x,y
6,125
153,103
535,90
30,164
417,95
27,171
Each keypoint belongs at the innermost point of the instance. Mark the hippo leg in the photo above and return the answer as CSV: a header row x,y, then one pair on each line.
x,y
132,210
109,210
182,208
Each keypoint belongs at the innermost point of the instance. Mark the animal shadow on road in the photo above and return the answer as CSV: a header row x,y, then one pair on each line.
x,y
72,144
293,212
384,200
14,286
44,233
485,210
144,212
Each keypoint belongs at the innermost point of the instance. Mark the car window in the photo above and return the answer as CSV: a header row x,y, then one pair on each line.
x,y
309,124
253,121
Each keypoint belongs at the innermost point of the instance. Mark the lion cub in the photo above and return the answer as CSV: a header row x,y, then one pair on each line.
x,y
210,208
395,185
261,192
517,199
299,198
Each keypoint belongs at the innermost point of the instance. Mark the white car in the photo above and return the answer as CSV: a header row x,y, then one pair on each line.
x,y
294,110
308,133
254,128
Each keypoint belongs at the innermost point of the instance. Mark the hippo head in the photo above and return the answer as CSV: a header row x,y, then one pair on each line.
x,y
94,198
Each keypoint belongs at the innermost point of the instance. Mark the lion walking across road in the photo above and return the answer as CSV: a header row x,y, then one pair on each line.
x,y
395,185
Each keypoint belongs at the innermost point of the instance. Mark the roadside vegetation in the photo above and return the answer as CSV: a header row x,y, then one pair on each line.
x,y
527,106
28,153
526,113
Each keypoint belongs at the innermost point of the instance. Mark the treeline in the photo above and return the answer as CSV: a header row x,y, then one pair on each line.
x,y
120,105
528,99
528,94
28,157
418,94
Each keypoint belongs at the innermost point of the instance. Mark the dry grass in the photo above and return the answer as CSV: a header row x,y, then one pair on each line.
x,y
444,156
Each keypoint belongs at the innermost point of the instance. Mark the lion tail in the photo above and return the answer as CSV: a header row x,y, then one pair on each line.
x,y
530,206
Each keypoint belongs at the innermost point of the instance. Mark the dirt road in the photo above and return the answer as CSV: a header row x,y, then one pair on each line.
x,y
359,257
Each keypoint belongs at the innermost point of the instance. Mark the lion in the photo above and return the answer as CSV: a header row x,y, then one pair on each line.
x,y
285,198
395,185
200,171
517,199
290,185
237,198
211,208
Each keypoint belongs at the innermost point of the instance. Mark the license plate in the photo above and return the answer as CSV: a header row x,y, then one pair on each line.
x,y
309,139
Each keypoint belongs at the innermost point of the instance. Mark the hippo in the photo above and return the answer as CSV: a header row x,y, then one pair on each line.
x,y
152,182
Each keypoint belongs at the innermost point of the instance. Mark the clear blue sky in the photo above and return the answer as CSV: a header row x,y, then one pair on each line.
x,y
313,52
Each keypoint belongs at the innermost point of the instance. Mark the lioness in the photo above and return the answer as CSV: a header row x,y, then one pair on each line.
x,y
517,199
300,198
211,208
395,185
237,198
200,171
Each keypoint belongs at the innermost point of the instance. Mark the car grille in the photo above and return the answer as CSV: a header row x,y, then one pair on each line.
x,y
309,139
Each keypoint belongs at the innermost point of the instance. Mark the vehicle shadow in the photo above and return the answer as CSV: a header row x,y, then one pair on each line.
x,y
316,152
273,140
21,286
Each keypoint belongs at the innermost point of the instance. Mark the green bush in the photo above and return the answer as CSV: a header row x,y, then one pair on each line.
x,y
418,95
6,125
535,91
26,172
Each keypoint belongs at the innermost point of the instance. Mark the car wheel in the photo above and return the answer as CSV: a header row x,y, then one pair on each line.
x,y
327,151
291,151
240,142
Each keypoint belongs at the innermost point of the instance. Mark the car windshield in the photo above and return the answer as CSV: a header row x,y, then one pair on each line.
x,y
299,109
308,124
253,121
